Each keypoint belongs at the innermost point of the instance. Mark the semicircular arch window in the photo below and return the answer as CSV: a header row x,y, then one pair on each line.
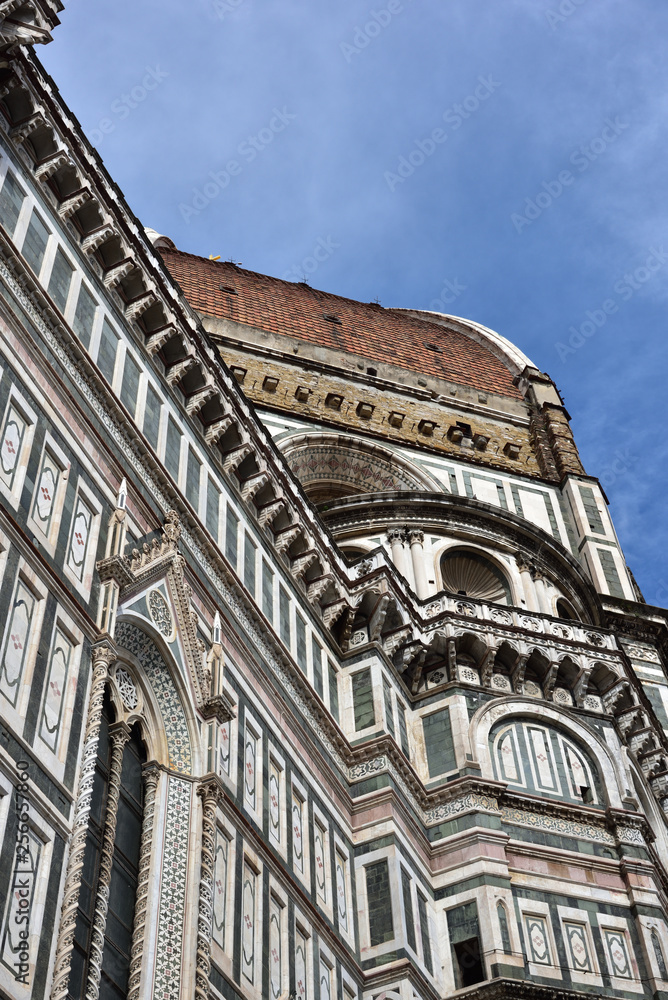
x,y
469,574
542,760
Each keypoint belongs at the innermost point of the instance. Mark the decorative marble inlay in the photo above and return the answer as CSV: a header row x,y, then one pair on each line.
x,y
563,631
45,494
297,833
132,638
433,609
358,771
341,901
172,906
359,638
126,688
274,802
320,862
301,980
248,894
576,939
464,608
220,887
630,835
469,675
17,636
531,623
555,824
56,686
79,538
533,690
501,682
618,955
593,703
275,948
501,617
10,445
538,943
562,696
636,652
466,803
160,613
594,639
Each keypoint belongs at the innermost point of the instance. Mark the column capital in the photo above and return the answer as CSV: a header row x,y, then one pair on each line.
x,y
416,536
395,535
103,651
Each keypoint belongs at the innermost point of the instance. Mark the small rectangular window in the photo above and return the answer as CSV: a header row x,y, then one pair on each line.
x,y
284,616
439,743
389,713
231,532
192,479
610,573
464,934
12,197
250,552
152,416
591,510
60,280
379,903
34,245
130,384
301,642
84,316
173,450
403,732
268,591
363,700
212,509
424,932
408,909
316,650
106,355
333,692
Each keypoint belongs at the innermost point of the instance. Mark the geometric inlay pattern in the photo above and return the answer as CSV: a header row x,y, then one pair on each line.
x,y
171,915
138,643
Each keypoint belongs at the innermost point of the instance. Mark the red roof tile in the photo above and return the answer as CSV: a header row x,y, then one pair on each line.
x,y
297,310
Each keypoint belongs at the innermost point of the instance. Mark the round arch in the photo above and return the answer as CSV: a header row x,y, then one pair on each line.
x,y
331,466
610,766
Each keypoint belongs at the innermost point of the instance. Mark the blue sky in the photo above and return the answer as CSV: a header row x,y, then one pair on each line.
x,y
506,159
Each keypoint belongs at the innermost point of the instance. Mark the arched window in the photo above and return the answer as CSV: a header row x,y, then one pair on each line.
x,y
122,889
469,574
503,927
542,760
658,953
566,611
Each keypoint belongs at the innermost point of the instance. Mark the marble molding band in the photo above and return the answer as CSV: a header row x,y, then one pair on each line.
x,y
151,773
119,734
103,654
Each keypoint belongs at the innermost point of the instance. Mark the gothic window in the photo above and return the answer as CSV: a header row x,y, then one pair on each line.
x,y
122,887
542,760
469,574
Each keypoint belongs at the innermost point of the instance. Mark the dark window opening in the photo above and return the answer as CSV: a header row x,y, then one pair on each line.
x,y
468,963
586,793
372,371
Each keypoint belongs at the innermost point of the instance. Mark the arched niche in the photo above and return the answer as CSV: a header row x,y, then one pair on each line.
x,y
332,466
609,767
170,728
467,572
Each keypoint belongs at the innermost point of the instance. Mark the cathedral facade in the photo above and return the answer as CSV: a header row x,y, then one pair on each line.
x,y
322,672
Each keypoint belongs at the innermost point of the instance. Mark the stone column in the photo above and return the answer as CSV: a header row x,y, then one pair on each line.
x,y
151,776
119,734
103,655
541,593
396,539
209,791
528,589
416,539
